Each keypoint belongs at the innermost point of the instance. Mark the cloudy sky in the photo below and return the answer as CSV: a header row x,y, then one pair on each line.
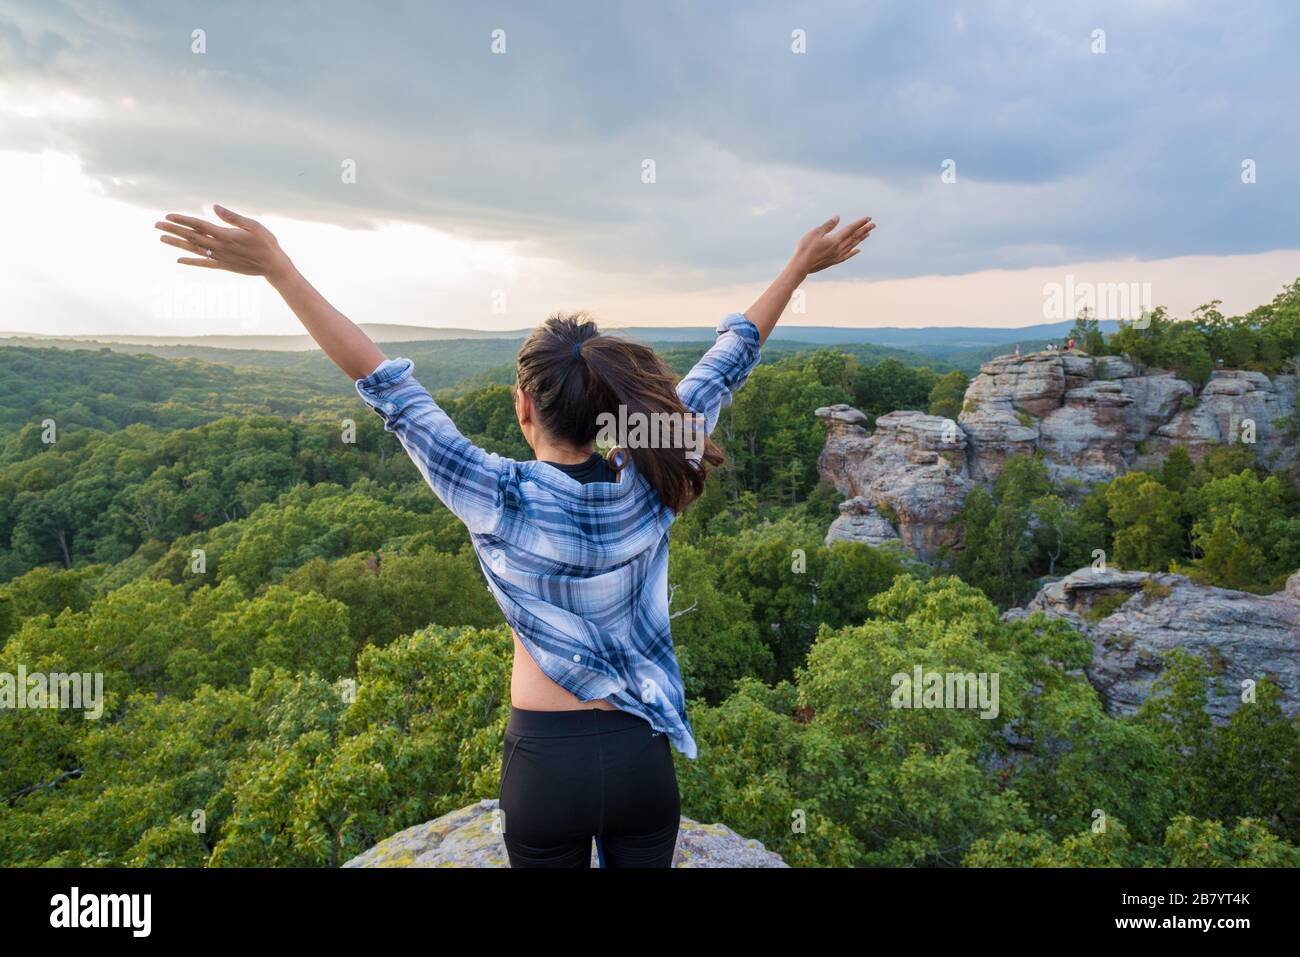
x,y
502,175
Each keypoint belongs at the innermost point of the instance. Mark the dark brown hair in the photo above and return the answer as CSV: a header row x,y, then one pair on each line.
x,y
573,374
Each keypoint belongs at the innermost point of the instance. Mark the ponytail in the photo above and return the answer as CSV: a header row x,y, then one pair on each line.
x,y
586,385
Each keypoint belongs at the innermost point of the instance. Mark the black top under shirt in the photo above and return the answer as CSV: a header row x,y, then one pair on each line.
x,y
595,469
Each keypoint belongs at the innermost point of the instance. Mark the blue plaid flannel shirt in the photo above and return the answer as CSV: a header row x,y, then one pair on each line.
x,y
580,570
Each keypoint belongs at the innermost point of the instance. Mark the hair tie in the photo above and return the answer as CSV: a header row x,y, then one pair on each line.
x,y
577,348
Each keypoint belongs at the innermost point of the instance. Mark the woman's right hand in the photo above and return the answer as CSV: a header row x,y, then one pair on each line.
x,y
245,247
819,248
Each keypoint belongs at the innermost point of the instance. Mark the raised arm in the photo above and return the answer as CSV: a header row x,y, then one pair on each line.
x,y
818,249
467,479
726,366
248,247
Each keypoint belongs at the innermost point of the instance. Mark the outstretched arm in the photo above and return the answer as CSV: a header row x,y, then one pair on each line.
x,y
248,247
818,249
725,367
466,478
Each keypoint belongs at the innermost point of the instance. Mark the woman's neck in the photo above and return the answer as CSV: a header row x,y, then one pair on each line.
x,y
563,454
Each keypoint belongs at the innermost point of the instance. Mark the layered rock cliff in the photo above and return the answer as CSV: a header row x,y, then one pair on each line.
x,y
471,837
1132,618
907,478
1092,419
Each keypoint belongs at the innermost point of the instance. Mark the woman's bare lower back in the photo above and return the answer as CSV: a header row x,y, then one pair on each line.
x,y
532,690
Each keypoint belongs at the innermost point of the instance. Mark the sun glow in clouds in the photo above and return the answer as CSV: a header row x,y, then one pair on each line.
x,y
83,262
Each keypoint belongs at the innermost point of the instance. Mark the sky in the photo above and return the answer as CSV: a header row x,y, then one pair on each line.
x,y
654,163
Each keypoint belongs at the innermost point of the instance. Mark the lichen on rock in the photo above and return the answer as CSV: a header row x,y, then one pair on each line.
x,y
472,837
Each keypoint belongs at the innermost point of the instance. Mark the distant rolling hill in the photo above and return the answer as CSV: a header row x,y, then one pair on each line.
x,y
922,338
380,332
440,363
452,356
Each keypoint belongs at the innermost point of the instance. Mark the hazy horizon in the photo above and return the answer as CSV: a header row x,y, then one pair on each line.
x,y
399,333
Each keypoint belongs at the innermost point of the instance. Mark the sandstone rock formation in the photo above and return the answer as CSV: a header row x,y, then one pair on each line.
x,y
1092,419
1089,416
1084,439
1231,404
471,837
909,474
1132,618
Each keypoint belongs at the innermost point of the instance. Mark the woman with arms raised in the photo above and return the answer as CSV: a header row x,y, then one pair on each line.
x,y
574,546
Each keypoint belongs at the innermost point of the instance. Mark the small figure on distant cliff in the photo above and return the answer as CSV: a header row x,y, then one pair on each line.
x,y
1070,345
1017,350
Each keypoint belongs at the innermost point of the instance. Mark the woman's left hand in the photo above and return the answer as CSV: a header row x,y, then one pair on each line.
x,y
246,246
820,248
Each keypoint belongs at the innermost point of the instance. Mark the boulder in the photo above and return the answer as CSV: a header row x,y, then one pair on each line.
x,y
1133,618
471,837
860,522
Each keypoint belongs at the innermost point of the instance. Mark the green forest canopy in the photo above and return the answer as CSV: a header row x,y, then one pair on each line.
x,y
298,647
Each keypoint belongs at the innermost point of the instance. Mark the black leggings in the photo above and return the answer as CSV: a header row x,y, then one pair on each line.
x,y
569,776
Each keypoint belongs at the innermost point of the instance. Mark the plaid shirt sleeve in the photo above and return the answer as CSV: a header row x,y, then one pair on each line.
x,y
468,479
710,384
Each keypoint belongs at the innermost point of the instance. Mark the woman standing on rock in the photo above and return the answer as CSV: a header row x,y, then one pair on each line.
x,y
574,546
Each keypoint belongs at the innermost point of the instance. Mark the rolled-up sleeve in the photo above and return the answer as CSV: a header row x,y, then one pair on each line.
x,y
468,479
712,381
